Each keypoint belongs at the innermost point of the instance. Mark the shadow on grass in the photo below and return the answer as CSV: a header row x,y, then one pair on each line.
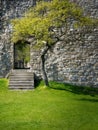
x,y
90,100
37,81
74,89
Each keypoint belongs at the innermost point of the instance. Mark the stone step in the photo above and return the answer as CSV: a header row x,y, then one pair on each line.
x,y
22,88
21,70
21,74
16,72
21,83
21,80
21,77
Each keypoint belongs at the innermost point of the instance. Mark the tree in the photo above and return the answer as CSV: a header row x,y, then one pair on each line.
x,y
45,20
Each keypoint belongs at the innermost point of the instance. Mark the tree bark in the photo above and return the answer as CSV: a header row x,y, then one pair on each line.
x,y
45,78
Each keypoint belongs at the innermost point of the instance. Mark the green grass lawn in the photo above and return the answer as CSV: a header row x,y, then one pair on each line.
x,y
47,108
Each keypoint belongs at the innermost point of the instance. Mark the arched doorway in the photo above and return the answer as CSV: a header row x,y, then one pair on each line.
x,y
22,55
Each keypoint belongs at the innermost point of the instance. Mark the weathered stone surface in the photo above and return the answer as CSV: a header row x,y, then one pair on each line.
x,y
75,61
9,10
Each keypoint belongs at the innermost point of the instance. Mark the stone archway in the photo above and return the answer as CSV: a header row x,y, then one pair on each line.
x,y
22,55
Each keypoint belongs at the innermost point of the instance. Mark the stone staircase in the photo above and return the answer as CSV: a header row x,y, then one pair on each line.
x,y
21,79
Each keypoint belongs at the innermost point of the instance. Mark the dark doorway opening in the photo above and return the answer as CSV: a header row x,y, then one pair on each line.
x,y
22,55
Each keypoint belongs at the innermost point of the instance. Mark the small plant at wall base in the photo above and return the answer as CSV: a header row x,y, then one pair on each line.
x,y
47,22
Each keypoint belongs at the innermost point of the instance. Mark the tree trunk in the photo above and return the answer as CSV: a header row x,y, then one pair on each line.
x,y
45,78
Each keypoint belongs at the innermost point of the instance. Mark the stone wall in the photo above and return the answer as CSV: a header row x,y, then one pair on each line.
x,y
90,7
75,61
71,61
9,9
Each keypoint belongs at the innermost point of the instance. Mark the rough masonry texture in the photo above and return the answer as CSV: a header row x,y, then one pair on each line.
x,y
74,61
